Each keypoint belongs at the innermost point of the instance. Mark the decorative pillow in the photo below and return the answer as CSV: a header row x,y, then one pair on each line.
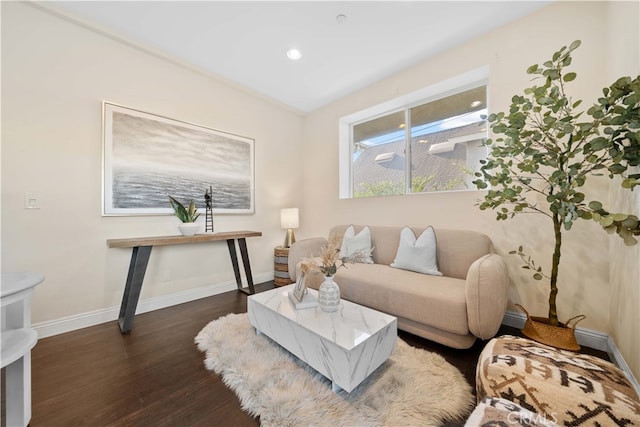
x,y
417,255
352,243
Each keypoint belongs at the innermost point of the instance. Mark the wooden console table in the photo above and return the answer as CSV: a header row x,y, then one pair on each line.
x,y
140,258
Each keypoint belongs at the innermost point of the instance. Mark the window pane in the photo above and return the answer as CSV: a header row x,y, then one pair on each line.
x,y
379,156
446,138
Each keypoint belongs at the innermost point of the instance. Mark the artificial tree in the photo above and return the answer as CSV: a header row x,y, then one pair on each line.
x,y
545,145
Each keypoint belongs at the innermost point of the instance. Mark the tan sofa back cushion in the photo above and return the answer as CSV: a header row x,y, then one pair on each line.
x,y
456,249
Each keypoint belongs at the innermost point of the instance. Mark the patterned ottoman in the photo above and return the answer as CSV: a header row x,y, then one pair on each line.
x,y
564,387
497,412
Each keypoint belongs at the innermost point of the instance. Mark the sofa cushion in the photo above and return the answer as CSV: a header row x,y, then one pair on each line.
x,y
458,249
419,254
436,301
353,243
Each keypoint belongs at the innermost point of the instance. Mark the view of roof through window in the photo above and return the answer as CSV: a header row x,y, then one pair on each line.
x,y
461,120
429,128
439,152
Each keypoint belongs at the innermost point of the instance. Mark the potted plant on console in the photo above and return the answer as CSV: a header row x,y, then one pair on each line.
x,y
544,146
188,216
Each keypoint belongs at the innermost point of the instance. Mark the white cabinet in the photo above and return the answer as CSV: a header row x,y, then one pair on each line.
x,y
18,338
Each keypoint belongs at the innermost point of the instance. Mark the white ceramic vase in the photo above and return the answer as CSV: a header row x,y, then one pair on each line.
x,y
188,228
329,295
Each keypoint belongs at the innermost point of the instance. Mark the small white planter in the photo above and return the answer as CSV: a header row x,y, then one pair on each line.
x,y
189,228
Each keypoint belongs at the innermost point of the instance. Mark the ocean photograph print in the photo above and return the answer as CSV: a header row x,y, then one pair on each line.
x,y
147,157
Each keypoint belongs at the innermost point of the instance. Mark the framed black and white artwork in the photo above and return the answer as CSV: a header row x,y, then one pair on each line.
x,y
147,157
301,287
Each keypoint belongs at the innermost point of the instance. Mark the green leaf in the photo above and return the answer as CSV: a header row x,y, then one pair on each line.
x,y
606,221
182,213
619,217
578,198
574,45
595,205
617,168
599,143
632,99
630,222
537,276
569,77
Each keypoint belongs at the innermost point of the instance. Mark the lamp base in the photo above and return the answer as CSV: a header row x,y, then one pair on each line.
x,y
289,239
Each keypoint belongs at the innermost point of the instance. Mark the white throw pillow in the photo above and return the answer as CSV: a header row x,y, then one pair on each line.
x,y
417,255
352,243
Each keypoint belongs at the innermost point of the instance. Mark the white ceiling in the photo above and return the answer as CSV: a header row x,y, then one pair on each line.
x,y
246,42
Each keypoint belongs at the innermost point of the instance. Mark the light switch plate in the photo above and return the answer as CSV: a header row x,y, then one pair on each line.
x,y
32,200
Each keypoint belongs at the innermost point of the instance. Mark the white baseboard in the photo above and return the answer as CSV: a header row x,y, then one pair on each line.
x,y
616,356
585,337
91,318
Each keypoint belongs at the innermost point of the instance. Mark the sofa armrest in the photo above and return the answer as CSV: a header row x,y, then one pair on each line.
x,y
486,292
302,249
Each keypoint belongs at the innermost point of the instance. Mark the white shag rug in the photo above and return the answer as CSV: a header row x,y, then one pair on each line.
x,y
413,388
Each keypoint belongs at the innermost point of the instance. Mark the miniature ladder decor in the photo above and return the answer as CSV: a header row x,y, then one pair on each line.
x,y
208,201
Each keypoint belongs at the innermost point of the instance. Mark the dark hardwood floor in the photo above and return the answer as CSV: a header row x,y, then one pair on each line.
x,y
155,375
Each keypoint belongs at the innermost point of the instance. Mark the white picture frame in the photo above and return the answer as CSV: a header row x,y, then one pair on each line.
x,y
147,157
301,287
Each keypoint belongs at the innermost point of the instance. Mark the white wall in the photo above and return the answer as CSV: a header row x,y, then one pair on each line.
x,y
625,261
55,75
584,272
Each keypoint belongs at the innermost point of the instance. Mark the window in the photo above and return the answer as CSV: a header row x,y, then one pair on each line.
x,y
427,141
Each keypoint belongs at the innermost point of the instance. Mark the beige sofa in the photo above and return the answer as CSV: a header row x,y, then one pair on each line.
x,y
468,301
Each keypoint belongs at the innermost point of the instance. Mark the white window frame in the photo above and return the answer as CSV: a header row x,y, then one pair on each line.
x,y
456,84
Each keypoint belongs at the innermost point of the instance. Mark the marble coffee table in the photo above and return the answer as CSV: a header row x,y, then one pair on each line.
x,y
345,346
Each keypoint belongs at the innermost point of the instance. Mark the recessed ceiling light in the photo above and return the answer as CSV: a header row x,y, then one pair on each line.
x,y
294,54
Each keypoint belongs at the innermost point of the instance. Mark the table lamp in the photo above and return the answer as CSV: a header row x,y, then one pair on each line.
x,y
289,221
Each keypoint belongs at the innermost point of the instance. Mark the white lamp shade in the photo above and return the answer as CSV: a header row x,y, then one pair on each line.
x,y
289,218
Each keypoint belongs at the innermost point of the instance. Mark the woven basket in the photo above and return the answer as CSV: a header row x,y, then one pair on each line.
x,y
561,336
281,266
